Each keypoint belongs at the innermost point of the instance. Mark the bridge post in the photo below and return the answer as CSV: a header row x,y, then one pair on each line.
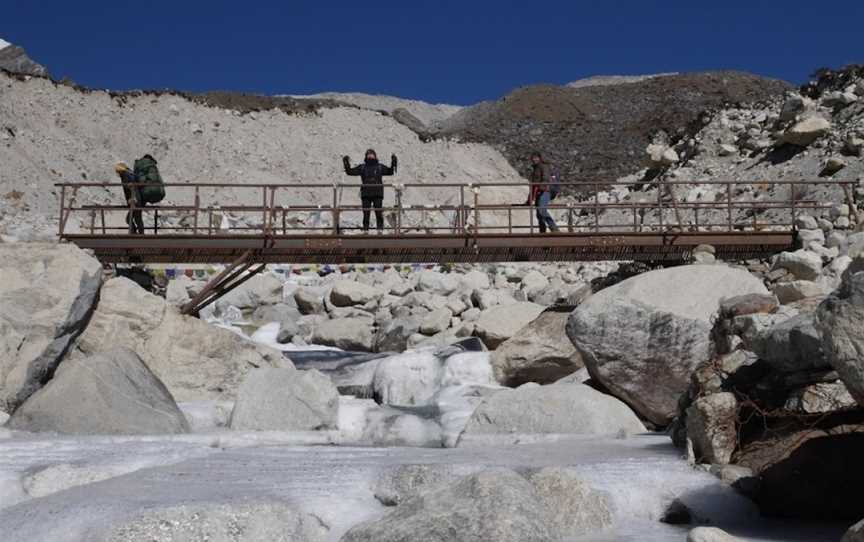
x,y
60,220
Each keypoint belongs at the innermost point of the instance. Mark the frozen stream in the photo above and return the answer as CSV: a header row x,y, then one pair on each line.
x,y
642,475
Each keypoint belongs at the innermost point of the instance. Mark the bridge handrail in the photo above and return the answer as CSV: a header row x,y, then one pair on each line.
x,y
469,212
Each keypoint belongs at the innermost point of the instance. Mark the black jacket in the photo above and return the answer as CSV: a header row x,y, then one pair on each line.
x,y
370,174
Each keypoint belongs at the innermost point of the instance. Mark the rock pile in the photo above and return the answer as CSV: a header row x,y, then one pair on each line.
x,y
394,310
781,392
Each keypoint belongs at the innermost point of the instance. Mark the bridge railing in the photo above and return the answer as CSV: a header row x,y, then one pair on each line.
x,y
461,209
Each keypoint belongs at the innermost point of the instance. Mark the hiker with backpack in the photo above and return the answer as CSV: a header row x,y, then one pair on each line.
x,y
545,186
133,198
141,186
372,189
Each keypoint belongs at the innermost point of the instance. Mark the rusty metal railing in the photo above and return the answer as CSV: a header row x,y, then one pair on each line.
x,y
470,209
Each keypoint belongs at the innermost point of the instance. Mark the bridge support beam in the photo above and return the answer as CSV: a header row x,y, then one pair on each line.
x,y
235,274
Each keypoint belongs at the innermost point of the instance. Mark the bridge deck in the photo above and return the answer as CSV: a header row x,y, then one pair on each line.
x,y
669,247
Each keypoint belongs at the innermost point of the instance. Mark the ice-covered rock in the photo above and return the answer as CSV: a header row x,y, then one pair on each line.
x,y
110,393
495,504
501,322
389,427
643,337
572,507
47,293
285,400
195,360
247,520
557,409
710,534
540,352
399,484
409,379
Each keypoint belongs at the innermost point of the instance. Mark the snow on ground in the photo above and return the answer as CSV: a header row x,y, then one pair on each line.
x,y
640,474
4,44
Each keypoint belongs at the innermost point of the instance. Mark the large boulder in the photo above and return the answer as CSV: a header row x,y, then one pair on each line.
x,y
839,319
47,293
195,360
347,293
792,345
803,264
495,504
111,393
806,131
642,338
345,333
286,400
540,352
555,409
501,322
255,520
309,300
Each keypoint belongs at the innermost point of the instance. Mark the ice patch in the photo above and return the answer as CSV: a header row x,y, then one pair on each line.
x,y
266,335
206,416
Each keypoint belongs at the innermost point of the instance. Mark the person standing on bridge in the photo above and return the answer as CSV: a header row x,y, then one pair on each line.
x,y
372,190
133,198
541,192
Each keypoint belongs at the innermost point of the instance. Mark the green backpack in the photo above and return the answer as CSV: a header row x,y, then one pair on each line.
x,y
153,189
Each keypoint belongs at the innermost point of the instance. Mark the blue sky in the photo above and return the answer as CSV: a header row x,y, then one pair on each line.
x,y
446,51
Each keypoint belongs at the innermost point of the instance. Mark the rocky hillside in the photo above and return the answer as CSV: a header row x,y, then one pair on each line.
x,y
15,59
599,132
51,132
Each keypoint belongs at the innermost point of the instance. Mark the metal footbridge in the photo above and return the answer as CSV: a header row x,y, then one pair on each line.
x,y
274,223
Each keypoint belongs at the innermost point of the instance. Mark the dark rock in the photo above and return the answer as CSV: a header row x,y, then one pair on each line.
x,y
820,480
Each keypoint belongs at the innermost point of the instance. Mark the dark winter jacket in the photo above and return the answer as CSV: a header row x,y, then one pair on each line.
x,y
370,172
